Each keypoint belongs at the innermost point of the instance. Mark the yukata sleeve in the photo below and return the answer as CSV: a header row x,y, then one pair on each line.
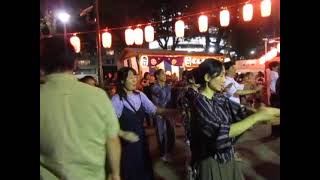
x,y
155,91
238,112
149,107
117,105
216,132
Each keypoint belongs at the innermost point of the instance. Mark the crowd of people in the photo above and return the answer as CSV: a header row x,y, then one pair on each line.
x,y
86,136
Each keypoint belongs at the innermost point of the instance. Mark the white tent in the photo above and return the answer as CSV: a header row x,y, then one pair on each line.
x,y
250,65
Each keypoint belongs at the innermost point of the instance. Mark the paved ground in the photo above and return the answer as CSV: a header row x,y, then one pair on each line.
x,y
260,154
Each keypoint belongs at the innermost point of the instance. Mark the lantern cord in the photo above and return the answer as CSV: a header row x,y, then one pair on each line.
x,y
162,21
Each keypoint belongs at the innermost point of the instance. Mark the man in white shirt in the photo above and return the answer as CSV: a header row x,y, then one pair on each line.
x,y
274,75
232,88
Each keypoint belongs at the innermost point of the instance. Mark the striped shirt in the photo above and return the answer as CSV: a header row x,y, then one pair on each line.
x,y
210,126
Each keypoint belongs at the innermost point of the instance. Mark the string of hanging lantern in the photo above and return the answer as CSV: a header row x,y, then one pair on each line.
x,y
136,35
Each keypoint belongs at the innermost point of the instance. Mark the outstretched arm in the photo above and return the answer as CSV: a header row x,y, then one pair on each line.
x,y
246,92
241,126
264,114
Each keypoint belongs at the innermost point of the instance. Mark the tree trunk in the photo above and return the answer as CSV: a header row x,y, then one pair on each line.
x,y
175,43
207,42
160,43
219,37
165,44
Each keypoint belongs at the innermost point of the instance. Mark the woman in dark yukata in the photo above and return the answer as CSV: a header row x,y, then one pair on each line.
x,y
215,122
131,107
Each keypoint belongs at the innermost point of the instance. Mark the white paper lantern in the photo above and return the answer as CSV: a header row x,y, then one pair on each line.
x,y
138,36
203,23
224,18
179,28
106,40
265,8
247,12
149,33
129,36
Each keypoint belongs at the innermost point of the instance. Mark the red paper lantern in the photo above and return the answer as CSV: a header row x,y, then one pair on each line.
x,y
224,18
149,33
75,41
203,23
265,8
247,12
179,28
129,36
106,40
138,36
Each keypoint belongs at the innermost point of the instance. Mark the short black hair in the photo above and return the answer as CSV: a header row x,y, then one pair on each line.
x,y
228,65
86,78
241,76
157,72
260,74
185,73
273,64
145,75
191,75
247,74
56,55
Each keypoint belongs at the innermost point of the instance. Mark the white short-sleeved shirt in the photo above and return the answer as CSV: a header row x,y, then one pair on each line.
x,y
233,89
273,80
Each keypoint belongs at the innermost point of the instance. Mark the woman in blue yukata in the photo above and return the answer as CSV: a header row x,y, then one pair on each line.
x,y
215,122
131,107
